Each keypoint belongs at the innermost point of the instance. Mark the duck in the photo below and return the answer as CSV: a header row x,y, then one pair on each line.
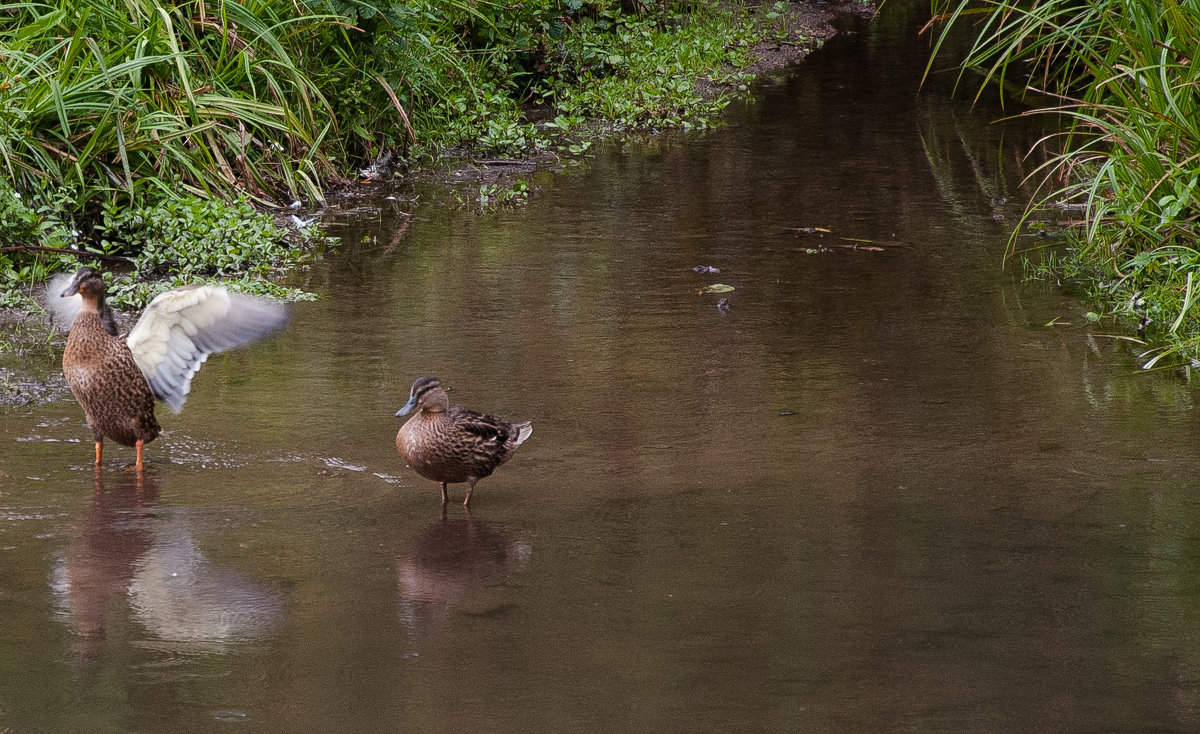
x,y
454,445
116,380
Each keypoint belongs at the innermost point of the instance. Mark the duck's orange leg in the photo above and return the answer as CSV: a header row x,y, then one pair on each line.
x,y
470,489
99,451
445,497
140,443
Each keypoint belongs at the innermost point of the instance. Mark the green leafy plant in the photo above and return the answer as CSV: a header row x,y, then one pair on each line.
x,y
1121,78
137,100
194,240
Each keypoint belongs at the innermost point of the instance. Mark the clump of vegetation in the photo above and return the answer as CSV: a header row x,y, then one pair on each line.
x,y
644,71
194,240
495,195
1123,79
152,98
173,243
32,245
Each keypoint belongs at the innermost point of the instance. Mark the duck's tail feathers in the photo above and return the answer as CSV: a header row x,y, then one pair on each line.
x,y
524,431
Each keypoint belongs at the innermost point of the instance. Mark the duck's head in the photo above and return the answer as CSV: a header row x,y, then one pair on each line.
x,y
87,283
427,394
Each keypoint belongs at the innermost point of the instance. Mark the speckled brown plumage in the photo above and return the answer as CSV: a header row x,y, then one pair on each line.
x,y
117,379
115,396
452,445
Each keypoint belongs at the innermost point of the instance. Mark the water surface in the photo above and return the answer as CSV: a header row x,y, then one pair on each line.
x,y
878,493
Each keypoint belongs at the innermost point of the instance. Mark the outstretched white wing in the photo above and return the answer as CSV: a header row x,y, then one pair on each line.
x,y
180,328
64,310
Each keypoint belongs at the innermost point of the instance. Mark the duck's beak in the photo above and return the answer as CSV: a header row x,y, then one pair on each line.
x,y
71,290
408,407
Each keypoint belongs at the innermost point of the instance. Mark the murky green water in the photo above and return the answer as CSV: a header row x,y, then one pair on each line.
x,y
877,494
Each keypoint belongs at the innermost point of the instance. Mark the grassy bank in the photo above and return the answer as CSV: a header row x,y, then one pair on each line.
x,y
151,132
1121,187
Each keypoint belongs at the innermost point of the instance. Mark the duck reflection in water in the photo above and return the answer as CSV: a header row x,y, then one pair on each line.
x,y
98,565
134,551
450,563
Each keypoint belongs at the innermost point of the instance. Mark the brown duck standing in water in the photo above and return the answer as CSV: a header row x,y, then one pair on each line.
x,y
117,380
452,445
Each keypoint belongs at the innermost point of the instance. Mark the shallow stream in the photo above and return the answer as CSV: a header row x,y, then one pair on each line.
x,y
878,493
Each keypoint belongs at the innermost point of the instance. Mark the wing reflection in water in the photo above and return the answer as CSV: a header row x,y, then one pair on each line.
x,y
133,555
446,564
181,597
98,565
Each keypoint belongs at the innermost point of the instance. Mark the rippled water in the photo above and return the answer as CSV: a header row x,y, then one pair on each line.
x,y
878,493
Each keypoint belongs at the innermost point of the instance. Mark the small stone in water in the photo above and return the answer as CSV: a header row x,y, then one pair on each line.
x,y
706,269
